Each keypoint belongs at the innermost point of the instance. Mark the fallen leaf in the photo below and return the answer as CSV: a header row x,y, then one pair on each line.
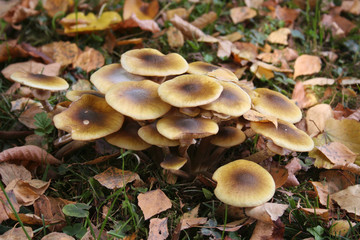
x,y
135,41
263,230
316,117
322,191
355,115
255,116
244,50
319,81
192,222
5,208
285,14
153,202
337,180
338,153
232,37
81,85
293,167
29,218
142,10
10,49
52,69
57,236
187,28
20,12
240,14
63,53
21,103
181,12
351,7
303,97
88,60
204,20
52,7
114,178
7,6
322,213
224,49
349,81
158,229
175,37
279,174
254,3
279,36
146,25
27,116
306,65
10,172
348,199
268,212
17,234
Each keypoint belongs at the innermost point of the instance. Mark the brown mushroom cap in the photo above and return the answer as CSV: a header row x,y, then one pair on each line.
x,y
275,104
173,162
108,75
190,90
176,127
228,137
40,81
138,100
286,135
204,68
243,183
151,62
150,134
89,118
233,101
128,138
75,95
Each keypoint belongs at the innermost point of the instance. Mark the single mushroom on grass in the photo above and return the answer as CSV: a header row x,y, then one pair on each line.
x,y
42,85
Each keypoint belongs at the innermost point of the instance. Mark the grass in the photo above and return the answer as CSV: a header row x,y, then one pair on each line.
x,y
116,211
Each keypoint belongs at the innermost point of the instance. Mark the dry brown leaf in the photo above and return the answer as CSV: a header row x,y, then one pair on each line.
x,y
232,37
337,180
10,172
63,53
355,115
114,178
263,230
204,20
351,6
293,167
10,49
322,191
146,25
88,60
20,12
21,103
27,116
349,81
81,85
286,14
244,50
7,6
17,234
175,37
181,12
348,199
158,229
254,3
153,202
57,236
319,81
32,155
28,218
52,69
306,65
316,117
255,116
5,207
338,153
322,213
304,98
187,28
135,41
279,174
279,36
26,192
54,6
142,10
224,49
268,212
191,219
240,14
36,140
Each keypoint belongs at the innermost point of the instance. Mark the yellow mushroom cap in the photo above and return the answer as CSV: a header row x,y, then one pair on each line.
x,y
138,100
286,135
150,134
233,101
40,81
204,68
89,118
190,90
243,183
151,62
75,95
228,137
108,75
176,127
275,104
173,162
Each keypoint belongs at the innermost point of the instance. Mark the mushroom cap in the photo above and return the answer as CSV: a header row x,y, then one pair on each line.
x,y
233,101
275,104
75,95
176,127
286,135
128,138
190,90
151,62
108,75
40,81
150,134
243,183
89,118
138,100
228,137
204,68
173,162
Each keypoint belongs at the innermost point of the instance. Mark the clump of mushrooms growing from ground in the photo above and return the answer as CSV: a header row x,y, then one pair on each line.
x,y
185,117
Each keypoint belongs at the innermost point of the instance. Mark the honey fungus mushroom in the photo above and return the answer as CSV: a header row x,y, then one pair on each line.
x,y
243,183
89,118
138,100
42,85
204,68
151,62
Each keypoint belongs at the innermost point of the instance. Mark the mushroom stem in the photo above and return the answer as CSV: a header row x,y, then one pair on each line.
x,y
260,156
181,173
62,140
46,105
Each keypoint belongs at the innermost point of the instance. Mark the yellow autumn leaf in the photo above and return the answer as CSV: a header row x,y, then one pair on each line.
x,y
279,36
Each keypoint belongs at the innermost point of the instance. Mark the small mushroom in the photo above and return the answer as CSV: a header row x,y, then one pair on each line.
x,y
173,162
243,183
275,104
138,100
190,90
204,68
89,118
42,85
151,62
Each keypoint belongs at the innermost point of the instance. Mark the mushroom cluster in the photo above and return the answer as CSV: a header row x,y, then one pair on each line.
x,y
188,113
